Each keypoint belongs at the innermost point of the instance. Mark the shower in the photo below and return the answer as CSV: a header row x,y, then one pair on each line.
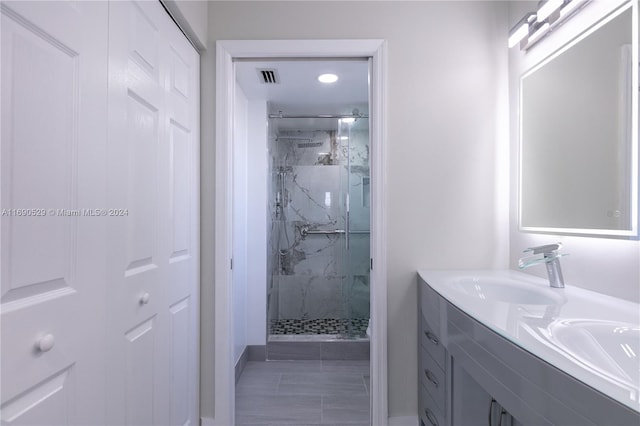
x,y
319,233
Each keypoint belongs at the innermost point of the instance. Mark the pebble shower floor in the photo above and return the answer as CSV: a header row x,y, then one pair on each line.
x,y
319,326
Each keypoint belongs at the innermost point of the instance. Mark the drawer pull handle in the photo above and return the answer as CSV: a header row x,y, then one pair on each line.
x,y
432,337
431,377
431,417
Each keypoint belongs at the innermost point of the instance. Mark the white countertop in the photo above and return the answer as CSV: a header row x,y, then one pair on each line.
x,y
590,336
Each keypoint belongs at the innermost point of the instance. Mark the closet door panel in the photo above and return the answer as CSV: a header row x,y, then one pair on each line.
x,y
137,384
153,146
182,94
52,166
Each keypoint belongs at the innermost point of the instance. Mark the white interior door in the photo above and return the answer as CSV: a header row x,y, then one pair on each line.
x,y
53,279
153,157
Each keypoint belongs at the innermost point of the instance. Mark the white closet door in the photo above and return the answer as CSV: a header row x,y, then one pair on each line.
x,y
54,70
153,114
183,301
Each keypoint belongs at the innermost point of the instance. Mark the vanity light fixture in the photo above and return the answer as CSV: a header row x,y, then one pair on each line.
x,y
327,78
535,25
521,29
548,8
570,7
539,32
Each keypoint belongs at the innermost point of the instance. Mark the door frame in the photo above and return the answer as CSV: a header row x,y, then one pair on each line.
x,y
226,52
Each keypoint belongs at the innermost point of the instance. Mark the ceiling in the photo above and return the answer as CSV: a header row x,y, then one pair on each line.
x,y
298,90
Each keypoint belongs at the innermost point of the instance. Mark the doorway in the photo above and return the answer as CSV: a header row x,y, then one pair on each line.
x,y
227,52
307,273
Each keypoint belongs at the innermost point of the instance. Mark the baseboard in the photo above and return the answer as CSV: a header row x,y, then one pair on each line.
x,y
403,421
250,353
257,352
242,362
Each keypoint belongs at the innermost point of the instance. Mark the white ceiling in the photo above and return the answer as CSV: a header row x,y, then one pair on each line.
x,y
298,90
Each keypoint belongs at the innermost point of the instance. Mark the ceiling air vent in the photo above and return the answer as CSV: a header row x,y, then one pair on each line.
x,y
268,76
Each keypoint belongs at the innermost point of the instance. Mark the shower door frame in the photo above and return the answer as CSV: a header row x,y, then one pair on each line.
x,y
226,52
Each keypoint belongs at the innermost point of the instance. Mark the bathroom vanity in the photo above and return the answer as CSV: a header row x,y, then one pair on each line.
x,y
503,348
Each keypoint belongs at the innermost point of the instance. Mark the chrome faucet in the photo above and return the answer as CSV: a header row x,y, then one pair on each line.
x,y
550,258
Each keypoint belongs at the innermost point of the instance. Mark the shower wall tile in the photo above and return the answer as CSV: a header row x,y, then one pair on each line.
x,y
359,260
320,255
310,297
307,148
359,205
358,296
314,194
359,148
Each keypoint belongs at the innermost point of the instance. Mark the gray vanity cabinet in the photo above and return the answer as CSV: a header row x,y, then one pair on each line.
x,y
434,400
467,370
439,375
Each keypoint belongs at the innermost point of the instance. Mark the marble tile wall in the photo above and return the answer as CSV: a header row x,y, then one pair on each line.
x,y
314,276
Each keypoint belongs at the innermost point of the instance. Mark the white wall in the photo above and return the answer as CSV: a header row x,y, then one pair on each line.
x,y
250,223
447,64
192,17
610,266
240,212
257,205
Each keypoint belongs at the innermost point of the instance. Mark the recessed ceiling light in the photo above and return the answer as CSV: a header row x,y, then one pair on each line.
x,y
327,78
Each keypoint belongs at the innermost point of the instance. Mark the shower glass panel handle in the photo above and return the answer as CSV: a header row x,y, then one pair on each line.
x,y
346,225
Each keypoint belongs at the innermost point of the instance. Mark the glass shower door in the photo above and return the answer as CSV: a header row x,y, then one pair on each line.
x,y
353,141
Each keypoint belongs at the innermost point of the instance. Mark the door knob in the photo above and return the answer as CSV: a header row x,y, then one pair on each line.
x,y
46,343
144,299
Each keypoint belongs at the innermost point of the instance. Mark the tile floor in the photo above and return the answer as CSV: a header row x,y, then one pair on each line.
x,y
303,393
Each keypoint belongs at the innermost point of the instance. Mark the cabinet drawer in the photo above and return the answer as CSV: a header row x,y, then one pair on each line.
x,y
432,344
430,414
433,379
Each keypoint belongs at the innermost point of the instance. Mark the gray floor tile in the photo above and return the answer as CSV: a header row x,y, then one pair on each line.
x,y
345,409
258,384
276,367
354,366
278,409
303,393
321,384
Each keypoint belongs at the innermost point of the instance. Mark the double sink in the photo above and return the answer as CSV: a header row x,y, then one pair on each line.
x,y
593,337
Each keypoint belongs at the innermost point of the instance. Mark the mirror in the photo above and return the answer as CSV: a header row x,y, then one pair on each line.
x,y
578,135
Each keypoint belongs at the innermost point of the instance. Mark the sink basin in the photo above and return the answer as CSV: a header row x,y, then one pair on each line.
x,y
592,337
505,290
610,348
